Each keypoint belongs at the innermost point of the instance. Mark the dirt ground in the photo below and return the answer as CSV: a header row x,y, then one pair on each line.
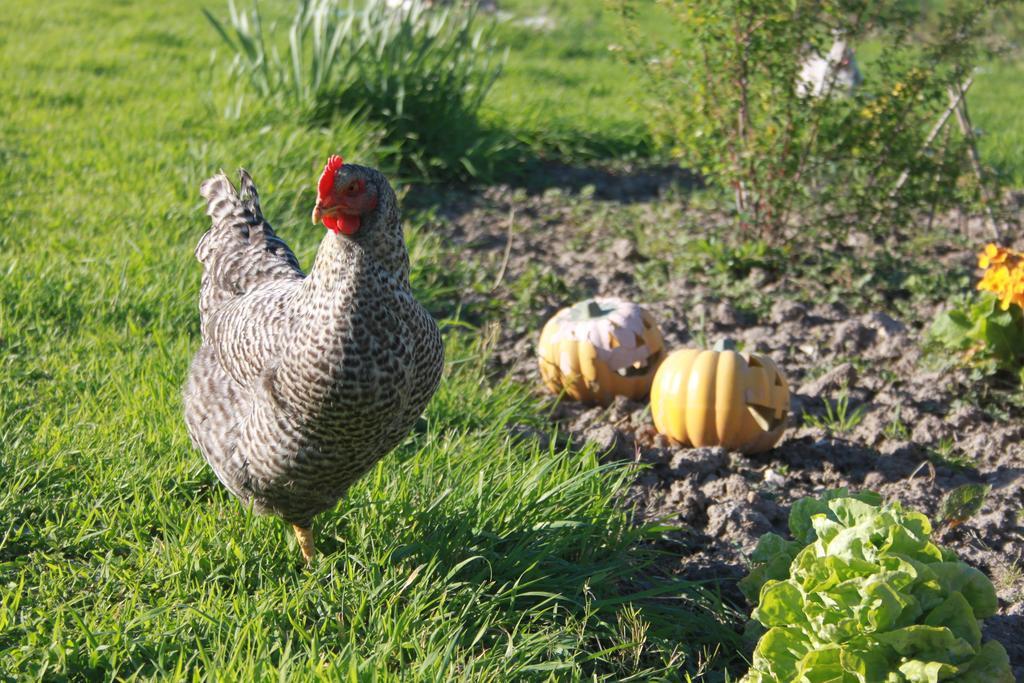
x,y
921,434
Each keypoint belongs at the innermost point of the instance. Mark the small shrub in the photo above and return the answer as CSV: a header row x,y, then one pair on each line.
x,y
420,74
725,101
862,594
988,331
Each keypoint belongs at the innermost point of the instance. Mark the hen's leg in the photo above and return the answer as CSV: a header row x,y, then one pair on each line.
x,y
305,536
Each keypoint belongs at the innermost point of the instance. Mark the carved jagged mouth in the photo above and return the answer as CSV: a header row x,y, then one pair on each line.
x,y
641,367
767,418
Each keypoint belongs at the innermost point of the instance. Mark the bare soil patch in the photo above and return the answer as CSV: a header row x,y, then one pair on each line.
x,y
924,431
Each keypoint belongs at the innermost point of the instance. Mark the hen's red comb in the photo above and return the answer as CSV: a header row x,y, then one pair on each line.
x,y
326,182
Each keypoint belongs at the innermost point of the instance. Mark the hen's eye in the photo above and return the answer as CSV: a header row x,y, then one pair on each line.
x,y
354,187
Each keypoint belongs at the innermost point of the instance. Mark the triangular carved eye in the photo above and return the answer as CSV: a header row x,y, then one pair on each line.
x,y
639,340
767,418
755,362
613,341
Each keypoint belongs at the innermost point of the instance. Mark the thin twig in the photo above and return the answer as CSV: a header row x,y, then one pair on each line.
x,y
508,250
935,198
901,181
972,153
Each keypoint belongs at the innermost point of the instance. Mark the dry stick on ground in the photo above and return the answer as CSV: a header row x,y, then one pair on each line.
x,y
960,102
508,251
901,181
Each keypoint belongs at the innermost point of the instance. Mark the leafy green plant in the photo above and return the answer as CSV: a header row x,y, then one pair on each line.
x,y
986,337
945,453
724,99
988,333
420,74
963,502
737,260
839,419
862,594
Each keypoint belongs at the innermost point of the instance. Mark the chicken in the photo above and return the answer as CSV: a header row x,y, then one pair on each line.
x,y
303,382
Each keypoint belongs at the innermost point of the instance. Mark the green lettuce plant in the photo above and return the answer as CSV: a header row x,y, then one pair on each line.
x,y
862,594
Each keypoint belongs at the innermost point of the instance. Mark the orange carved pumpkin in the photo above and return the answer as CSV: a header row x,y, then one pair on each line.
x,y
720,398
599,349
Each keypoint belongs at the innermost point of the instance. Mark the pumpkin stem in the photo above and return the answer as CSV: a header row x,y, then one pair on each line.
x,y
594,309
725,344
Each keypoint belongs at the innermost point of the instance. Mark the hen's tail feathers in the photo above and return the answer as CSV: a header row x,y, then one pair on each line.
x,y
231,213
238,222
248,193
240,250
221,198
223,202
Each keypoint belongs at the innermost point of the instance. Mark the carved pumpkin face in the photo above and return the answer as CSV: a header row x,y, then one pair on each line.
x,y
599,349
720,398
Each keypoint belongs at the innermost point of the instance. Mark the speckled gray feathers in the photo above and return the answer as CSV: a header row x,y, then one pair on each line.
x,y
303,382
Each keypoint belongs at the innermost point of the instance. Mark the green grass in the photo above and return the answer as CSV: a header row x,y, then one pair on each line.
x,y
997,94
468,554
563,92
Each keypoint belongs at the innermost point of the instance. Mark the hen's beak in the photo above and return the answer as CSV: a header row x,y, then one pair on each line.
x,y
318,213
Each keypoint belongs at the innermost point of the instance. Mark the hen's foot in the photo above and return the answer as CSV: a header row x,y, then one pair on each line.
x,y
305,537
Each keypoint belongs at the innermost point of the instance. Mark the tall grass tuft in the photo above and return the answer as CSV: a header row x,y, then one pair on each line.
x,y
419,74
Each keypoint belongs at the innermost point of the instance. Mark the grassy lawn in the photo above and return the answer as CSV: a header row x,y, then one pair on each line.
x,y
467,554
474,552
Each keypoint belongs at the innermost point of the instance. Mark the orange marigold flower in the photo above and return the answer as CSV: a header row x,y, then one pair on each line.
x,y
992,254
1004,274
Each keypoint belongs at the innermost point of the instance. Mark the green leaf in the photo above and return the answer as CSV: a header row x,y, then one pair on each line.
x,y
956,615
918,671
781,604
951,329
977,589
770,559
963,502
865,660
851,511
990,665
869,597
823,665
778,653
882,605
996,335
800,524
927,642
906,540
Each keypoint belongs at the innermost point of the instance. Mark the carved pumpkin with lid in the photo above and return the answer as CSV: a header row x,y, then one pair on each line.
x,y
600,348
720,398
